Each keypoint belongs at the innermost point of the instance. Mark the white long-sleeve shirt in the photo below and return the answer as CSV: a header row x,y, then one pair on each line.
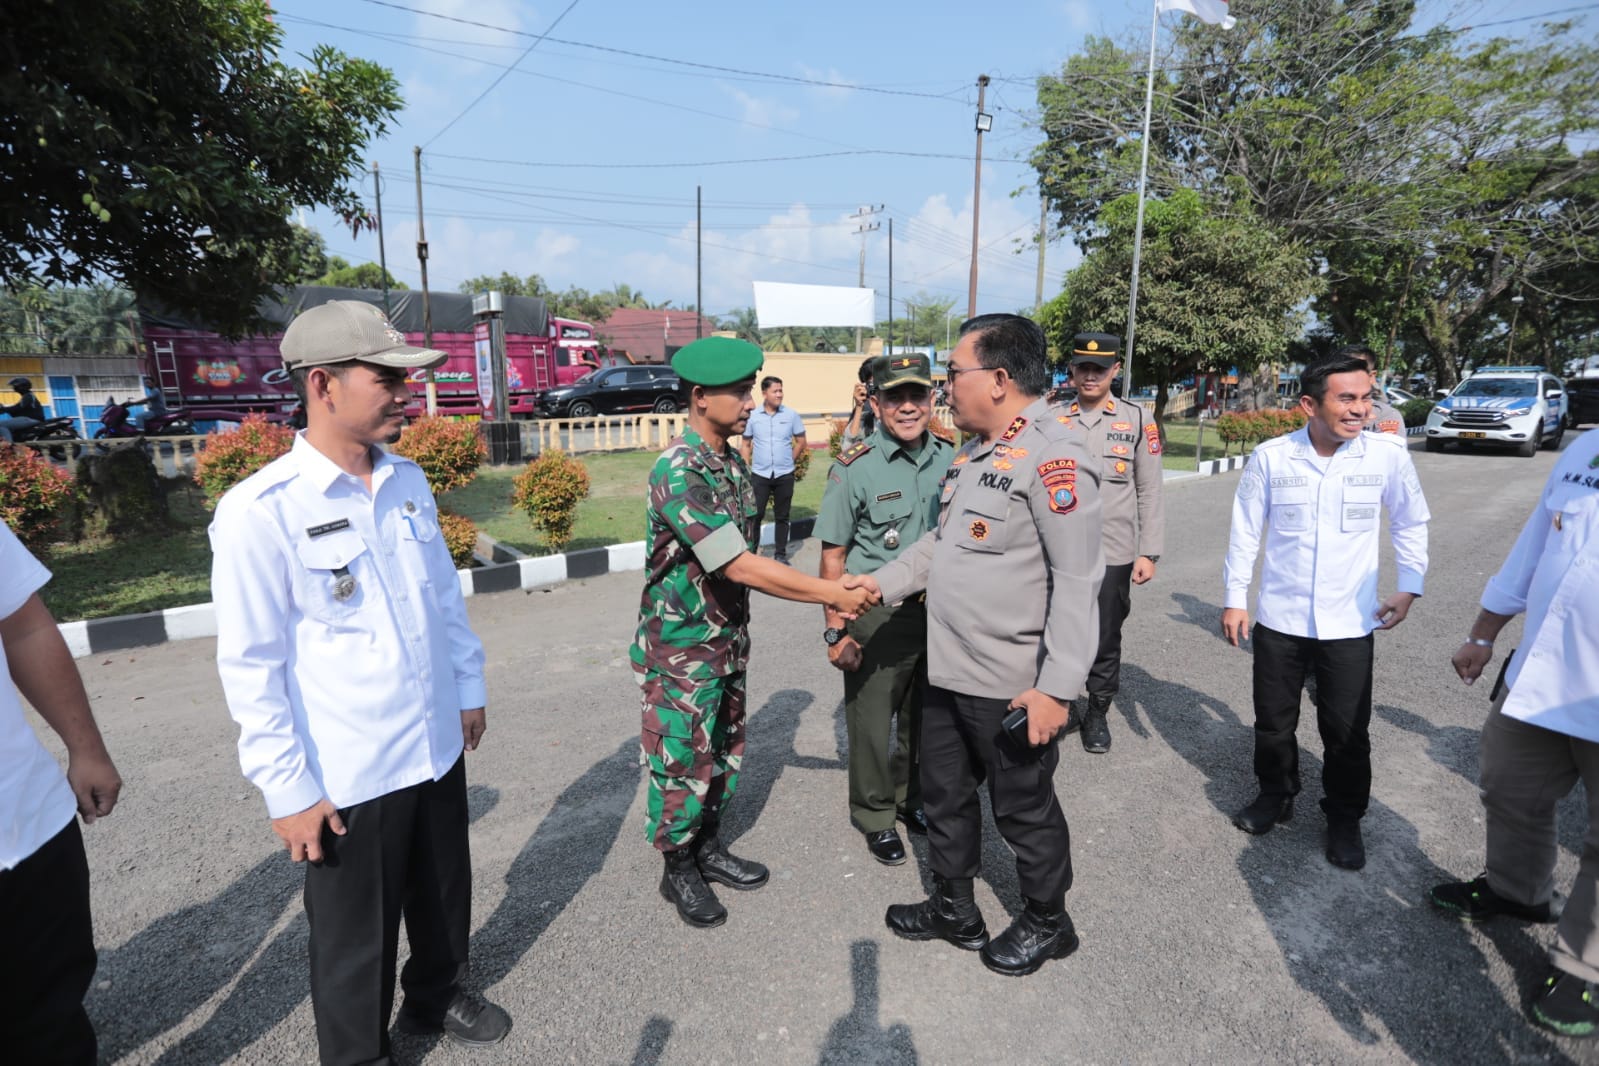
x,y
1319,519
1552,573
345,698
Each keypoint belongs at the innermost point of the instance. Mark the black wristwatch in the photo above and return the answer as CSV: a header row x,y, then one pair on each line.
x,y
1153,558
832,635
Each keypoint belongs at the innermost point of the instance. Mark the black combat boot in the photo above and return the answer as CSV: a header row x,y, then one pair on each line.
x,y
1042,932
683,885
949,913
1096,731
718,864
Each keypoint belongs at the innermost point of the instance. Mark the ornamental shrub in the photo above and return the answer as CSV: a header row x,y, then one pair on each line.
x,y
548,492
32,495
460,536
1249,428
1415,411
231,457
449,452
835,437
802,465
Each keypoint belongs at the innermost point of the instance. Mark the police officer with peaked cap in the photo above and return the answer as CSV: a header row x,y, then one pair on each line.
x,y
1012,576
1127,440
881,496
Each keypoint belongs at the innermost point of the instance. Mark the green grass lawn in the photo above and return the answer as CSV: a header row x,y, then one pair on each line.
x,y
613,513
101,577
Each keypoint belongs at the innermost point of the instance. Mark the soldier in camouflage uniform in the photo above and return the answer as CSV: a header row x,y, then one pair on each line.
x,y
692,645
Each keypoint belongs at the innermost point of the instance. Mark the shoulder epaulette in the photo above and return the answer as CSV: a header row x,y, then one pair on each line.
x,y
853,452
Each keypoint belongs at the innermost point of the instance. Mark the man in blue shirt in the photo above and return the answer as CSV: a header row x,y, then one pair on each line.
x,y
773,442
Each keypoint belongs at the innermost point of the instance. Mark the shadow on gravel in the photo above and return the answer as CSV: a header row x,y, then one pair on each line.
x,y
180,961
569,847
1453,747
1366,944
859,1036
652,1041
1198,612
768,751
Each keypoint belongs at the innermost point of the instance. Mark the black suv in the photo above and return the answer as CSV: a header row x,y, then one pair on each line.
x,y
1582,399
614,390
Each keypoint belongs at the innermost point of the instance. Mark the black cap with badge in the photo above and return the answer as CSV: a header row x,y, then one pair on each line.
x,y
1100,349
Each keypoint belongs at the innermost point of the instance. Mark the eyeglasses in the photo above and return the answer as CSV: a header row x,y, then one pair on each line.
x,y
956,371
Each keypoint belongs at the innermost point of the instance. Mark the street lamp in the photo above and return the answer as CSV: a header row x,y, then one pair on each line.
x,y
985,123
1510,342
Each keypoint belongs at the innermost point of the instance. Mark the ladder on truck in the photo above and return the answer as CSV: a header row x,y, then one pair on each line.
x,y
166,373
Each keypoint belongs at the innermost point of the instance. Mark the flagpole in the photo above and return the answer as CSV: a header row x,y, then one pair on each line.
x,y
1138,228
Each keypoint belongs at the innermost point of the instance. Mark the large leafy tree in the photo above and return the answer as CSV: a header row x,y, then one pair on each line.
x,y
1215,291
359,276
162,144
1428,176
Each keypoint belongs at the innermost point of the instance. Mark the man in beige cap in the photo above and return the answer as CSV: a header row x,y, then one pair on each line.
x,y
348,663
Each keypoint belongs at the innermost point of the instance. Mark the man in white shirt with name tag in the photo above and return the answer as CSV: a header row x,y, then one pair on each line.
x,y
1318,495
1542,735
349,664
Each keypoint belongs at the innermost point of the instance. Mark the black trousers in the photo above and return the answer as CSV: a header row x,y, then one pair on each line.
x,y
404,854
963,745
1343,715
1115,601
780,490
47,955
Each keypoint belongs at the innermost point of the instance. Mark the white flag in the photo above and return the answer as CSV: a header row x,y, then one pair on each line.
x,y
1211,11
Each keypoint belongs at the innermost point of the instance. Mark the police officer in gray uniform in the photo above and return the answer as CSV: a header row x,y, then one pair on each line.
x,y
1384,417
1126,438
1012,577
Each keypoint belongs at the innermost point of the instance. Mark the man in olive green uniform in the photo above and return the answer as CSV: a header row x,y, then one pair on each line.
x,y
692,645
1127,440
1012,576
881,497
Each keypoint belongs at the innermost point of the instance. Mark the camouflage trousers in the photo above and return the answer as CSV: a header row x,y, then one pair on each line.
x,y
693,745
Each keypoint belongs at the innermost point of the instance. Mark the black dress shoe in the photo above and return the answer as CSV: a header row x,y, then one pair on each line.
x,y
950,913
1096,730
469,1020
915,821
684,886
1345,849
1040,933
886,847
721,866
1268,809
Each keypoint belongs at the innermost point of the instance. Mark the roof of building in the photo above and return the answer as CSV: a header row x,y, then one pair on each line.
x,y
651,334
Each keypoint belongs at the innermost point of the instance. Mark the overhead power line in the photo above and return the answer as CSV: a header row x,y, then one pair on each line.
x,y
762,74
491,86
566,164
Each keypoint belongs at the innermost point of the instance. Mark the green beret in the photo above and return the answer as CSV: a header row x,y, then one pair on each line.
x,y
713,361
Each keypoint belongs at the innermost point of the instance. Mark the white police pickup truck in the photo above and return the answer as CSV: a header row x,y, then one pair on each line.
x,y
1518,405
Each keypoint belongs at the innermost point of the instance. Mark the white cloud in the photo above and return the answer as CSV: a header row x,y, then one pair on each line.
x,y
761,111
458,249
828,93
1080,14
506,14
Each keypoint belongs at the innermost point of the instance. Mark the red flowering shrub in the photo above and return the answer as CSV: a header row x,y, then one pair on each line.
x,y
231,457
548,492
449,452
460,536
32,493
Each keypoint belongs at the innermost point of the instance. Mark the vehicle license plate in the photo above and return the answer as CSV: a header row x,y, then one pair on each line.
x,y
1474,436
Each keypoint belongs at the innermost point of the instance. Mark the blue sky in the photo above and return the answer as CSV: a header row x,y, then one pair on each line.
x,y
880,97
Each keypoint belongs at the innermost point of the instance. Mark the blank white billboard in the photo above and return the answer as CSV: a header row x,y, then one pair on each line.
x,y
779,303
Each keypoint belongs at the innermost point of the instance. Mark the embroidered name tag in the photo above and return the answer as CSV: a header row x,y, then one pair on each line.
x,y
889,496
327,527
1363,479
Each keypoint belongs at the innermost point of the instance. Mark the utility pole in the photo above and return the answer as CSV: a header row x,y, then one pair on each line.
x,y
985,122
862,227
427,308
1043,235
383,259
699,298
890,287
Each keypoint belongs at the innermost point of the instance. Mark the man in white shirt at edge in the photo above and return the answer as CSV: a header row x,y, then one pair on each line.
x,y
1542,735
348,662
1319,492
47,954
